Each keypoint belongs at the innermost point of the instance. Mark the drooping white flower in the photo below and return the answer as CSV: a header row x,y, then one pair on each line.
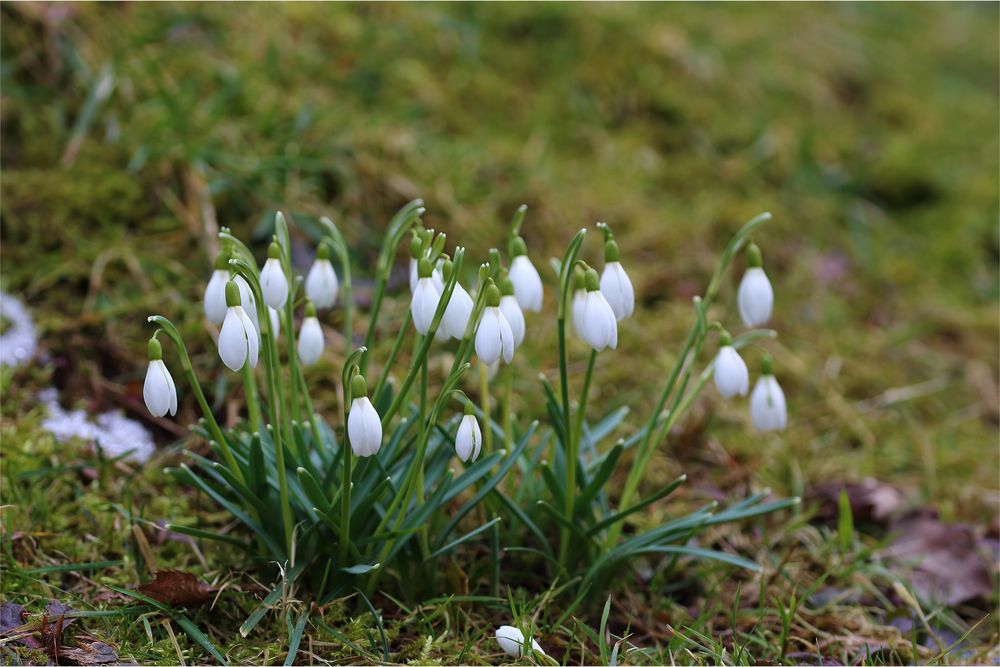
x,y
273,283
527,282
249,302
159,390
215,294
364,426
494,339
512,642
730,372
469,439
579,301
768,411
755,297
597,325
321,281
511,310
425,300
457,313
238,340
310,337
617,289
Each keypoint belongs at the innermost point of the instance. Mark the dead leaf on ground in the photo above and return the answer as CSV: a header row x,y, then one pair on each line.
x,y
872,501
948,563
12,618
90,651
177,589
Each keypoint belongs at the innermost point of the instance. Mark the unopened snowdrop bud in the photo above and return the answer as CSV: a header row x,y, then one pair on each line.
x,y
159,390
469,439
511,310
321,281
273,282
615,283
512,642
767,402
598,326
364,426
310,337
459,308
755,296
238,340
527,282
730,373
425,298
494,339
215,291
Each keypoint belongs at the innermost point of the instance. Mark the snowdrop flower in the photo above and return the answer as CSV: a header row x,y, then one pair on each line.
x,y
215,291
238,340
159,390
597,325
730,373
755,296
615,284
321,281
511,310
469,439
459,308
767,402
364,426
527,282
273,283
247,297
512,642
426,296
494,339
416,247
579,299
310,337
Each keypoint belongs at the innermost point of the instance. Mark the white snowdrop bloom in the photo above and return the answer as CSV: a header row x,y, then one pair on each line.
x,y
511,310
215,293
364,426
321,281
597,325
767,402
512,642
238,340
527,282
755,297
273,283
615,283
425,300
457,313
159,390
310,337
730,372
275,321
579,301
494,339
469,439
249,302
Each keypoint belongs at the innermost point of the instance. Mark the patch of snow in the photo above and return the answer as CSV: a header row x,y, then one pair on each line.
x,y
113,432
19,341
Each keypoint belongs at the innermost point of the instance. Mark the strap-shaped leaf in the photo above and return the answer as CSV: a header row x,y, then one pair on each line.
x,y
600,478
313,491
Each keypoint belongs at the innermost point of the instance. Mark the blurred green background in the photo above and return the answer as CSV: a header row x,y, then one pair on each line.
x,y
131,132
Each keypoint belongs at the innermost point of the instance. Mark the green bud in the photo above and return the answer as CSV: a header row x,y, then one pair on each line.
x,y
725,339
232,294
506,286
359,387
310,310
592,281
518,247
274,250
446,268
154,350
438,245
468,408
323,251
611,252
424,269
492,295
767,365
579,278
753,256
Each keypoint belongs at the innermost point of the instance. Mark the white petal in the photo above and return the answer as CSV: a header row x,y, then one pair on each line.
x,y
599,327
273,283
730,373
233,346
468,439
249,303
364,427
617,289
437,275
488,343
511,640
310,341
275,321
253,338
215,297
155,390
322,284
171,388
511,310
506,338
413,275
767,405
527,283
424,304
755,297
457,313
579,304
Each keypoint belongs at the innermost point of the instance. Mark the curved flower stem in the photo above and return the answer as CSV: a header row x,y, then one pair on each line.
x,y
213,426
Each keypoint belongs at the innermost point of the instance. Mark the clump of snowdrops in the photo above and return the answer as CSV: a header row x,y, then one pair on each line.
x,y
375,495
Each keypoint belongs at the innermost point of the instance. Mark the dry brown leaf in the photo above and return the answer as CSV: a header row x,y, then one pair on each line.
x,y
177,589
871,501
90,651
